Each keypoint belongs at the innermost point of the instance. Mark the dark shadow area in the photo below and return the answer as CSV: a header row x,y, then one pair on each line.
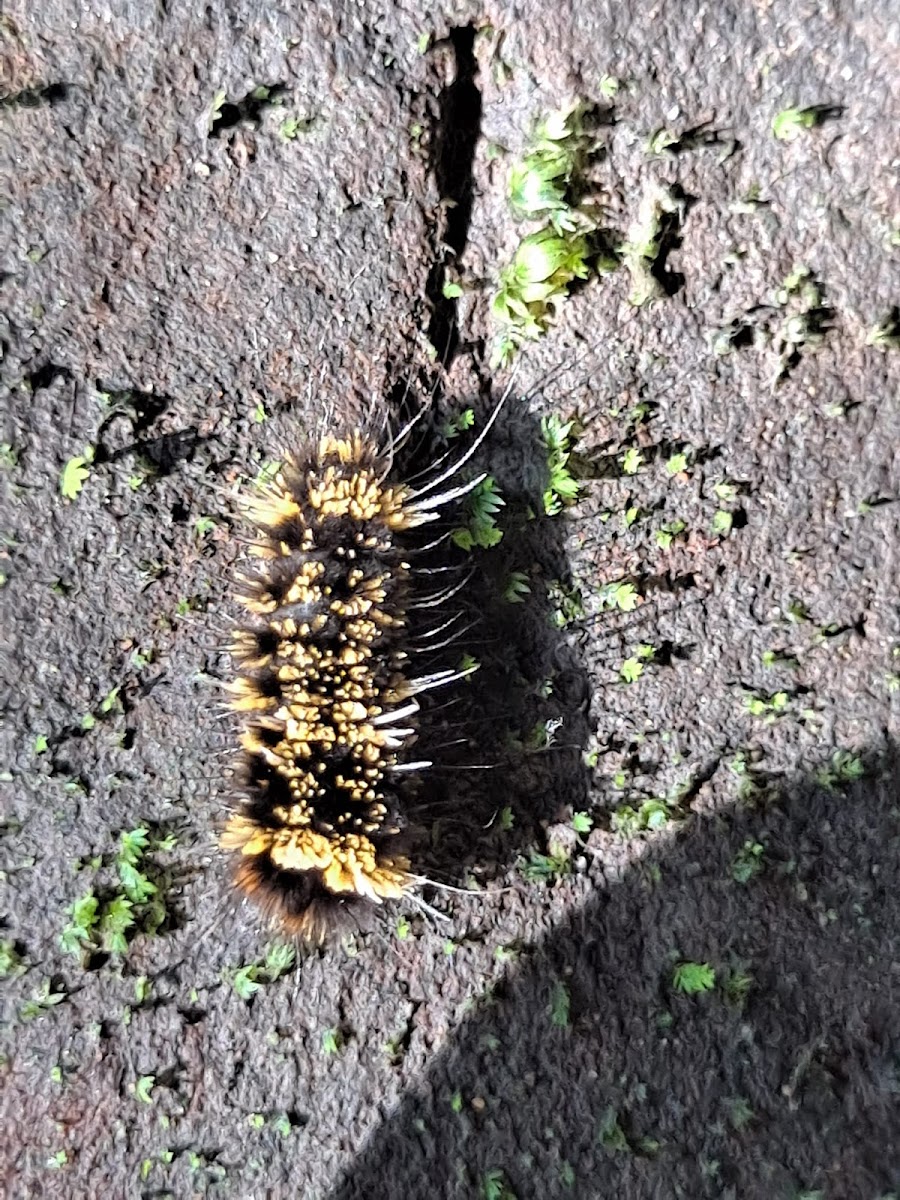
x,y
588,1074
506,741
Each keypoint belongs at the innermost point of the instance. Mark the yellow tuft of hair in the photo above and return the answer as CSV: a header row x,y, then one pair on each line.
x,y
348,863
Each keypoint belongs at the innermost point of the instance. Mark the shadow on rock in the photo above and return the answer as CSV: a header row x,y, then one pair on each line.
x,y
588,1074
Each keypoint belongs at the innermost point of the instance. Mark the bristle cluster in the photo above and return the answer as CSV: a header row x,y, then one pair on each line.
x,y
322,685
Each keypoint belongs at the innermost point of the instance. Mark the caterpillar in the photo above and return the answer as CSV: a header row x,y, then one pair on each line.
x,y
323,682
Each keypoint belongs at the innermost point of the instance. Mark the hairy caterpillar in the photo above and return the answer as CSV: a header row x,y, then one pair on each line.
x,y
324,683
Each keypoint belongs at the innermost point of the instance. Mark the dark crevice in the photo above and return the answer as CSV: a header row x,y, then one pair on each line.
x,y
229,114
456,136
51,93
46,375
669,238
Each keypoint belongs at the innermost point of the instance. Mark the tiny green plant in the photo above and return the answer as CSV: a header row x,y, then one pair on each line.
x,y
111,702
747,861
544,868
394,1049
722,522
789,123
279,958
661,140
468,665
610,1133
267,472
623,596
652,814
117,919
291,128
796,612
282,1125
560,1004
332,1041
203,526
737,986
135,884
75,474
79,933
459,424
482,506
740,1114
143,1088
245,981
845,767
677,464
769,708
11,965
517,588
562,488
582,822
633,668
533,286
798,282
725,491
215,107
41,1002
692,978
566,603
886,334
667,533
248,979
540,183
632,461
493,1186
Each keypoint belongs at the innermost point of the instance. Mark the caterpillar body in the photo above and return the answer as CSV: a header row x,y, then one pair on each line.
x,y
324,684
